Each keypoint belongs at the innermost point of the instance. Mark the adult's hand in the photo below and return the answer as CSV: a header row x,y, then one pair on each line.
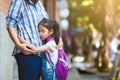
x,y
27,46
24,48
14,37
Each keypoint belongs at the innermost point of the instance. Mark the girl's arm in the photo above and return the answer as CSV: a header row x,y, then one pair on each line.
x,y
35,49
42,48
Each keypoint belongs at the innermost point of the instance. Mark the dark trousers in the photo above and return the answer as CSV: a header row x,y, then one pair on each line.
x,y
29,66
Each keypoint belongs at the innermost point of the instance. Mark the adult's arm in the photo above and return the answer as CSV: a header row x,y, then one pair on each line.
x,y
12,20
21,46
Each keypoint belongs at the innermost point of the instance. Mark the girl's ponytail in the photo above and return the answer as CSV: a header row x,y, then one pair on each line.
x,y
56,32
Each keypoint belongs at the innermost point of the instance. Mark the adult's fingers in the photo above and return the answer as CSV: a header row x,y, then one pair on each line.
x,y
21,38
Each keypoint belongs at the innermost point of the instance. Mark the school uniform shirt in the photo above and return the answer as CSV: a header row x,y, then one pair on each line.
x,y
25,18
54,54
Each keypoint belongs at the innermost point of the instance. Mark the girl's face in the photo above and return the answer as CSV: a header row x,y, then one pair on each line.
x,y
44,32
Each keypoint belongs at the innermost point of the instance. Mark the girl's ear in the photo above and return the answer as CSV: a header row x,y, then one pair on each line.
x,y
51,31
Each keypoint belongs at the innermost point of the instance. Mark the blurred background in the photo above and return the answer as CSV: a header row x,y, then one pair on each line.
x,y
87,28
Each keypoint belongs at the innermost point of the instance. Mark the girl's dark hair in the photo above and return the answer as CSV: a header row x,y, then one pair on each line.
x,y
34,1
51,24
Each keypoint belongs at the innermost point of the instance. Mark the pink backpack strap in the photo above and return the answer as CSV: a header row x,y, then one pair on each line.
x,y
49,58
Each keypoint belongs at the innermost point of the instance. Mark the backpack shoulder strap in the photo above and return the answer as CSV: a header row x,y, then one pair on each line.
x,y
49,59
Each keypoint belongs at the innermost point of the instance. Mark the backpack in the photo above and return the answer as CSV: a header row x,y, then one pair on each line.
x,y
61,69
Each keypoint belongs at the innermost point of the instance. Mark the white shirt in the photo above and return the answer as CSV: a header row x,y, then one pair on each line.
x,y
113,48
54,54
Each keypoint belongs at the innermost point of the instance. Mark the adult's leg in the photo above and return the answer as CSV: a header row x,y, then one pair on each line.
x,y
114,69
29,66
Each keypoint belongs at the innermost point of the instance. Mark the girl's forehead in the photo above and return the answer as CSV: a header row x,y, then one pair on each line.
x,y
42,27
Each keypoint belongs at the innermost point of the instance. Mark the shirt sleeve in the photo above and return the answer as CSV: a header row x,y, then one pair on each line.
x,y
114,45
52,45
13,13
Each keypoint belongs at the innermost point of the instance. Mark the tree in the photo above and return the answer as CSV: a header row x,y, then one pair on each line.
x,y
104,15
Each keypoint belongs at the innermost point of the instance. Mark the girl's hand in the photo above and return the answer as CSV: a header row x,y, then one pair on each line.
x,y
59,47
60,44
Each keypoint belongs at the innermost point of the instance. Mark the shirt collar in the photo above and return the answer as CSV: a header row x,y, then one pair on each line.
x,y
31,2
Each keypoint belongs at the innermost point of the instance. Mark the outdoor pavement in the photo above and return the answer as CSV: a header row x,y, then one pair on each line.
x,y
84,71
74,75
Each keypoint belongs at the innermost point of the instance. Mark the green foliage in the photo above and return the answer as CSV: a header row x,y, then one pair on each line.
x,y
86,12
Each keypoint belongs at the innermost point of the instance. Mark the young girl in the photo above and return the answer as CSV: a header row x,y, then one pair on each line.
x,y
49,30
49,33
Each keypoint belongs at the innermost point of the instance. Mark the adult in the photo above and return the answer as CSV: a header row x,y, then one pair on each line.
x,y
114,47
114,56
23,18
